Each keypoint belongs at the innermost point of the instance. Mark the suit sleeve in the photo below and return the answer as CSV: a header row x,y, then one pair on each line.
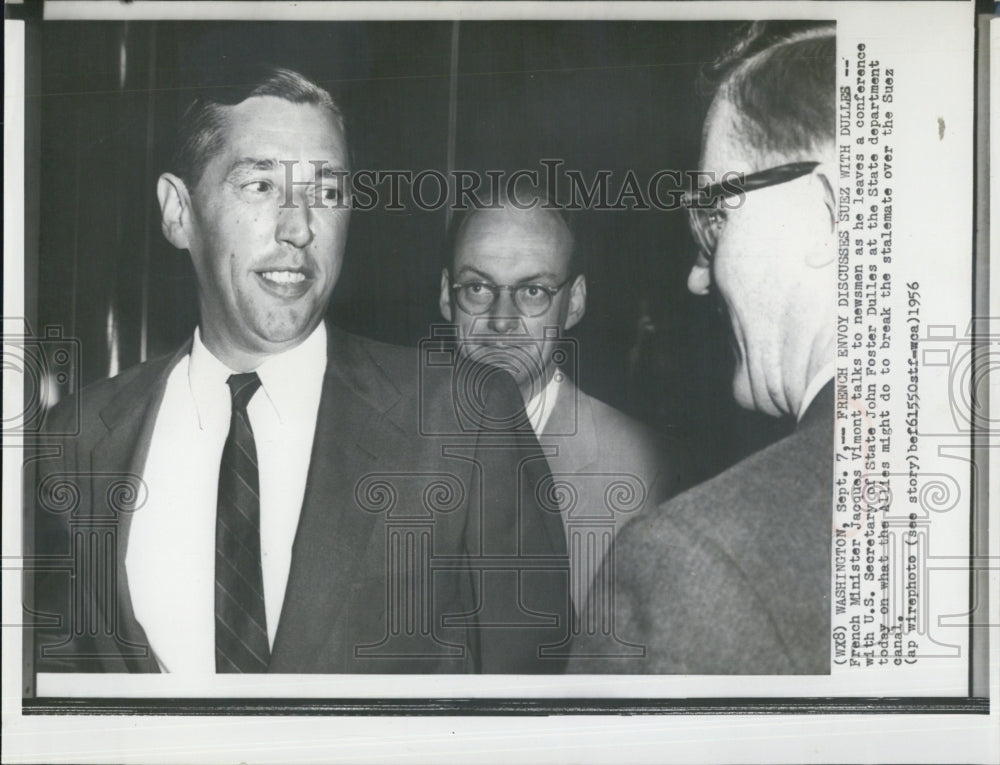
x,y
48,502
686,602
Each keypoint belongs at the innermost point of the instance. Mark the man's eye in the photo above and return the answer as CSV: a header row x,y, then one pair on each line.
x,y
331,194
533,291
717,218
476,288
258,187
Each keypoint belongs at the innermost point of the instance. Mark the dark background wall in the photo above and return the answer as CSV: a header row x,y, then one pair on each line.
x,y
418,96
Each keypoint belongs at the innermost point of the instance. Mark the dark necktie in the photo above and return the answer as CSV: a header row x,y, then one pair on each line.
x,y
240,620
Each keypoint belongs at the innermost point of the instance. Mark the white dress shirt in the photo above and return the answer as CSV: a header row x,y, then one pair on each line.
x,y
540,407
170,559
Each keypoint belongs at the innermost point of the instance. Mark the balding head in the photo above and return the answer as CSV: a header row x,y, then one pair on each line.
x,y
776,96
512,290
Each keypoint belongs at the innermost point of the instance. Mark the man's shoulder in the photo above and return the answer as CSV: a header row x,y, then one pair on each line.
x,y
434,380
136,376
350,349
615,424
82,410
734,573
770,487
623,442
405,367
379,371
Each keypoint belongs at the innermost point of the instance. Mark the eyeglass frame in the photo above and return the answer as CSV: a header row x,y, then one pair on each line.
x,y
496,289
703,205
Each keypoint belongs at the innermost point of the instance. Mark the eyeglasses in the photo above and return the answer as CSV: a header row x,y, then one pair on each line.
x,y
706,216
529,299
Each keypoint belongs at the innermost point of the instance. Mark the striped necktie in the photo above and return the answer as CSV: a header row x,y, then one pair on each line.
x,y
241,643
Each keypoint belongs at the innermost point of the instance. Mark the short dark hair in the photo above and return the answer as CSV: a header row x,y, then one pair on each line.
x,y
200,128
526,195
781,78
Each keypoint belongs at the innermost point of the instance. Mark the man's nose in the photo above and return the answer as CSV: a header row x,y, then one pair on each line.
x,y
295,222
700,277
504,316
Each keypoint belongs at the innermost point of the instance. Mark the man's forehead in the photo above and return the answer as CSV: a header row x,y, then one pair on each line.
x,y
512,247
266,126
535,229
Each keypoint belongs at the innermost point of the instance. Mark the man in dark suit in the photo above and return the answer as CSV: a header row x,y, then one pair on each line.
x,y
279,495
513,287
733,576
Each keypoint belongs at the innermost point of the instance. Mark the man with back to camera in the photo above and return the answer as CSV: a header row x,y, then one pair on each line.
x,y
273,449
514,287
733,576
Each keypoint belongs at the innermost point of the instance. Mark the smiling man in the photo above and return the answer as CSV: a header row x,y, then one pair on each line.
x,y
266,251
268,456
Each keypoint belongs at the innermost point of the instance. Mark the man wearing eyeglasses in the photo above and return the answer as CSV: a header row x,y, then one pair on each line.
x,y
513,288
733,576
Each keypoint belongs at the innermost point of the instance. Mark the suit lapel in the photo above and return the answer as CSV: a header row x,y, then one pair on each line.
x,y
571,431
352,431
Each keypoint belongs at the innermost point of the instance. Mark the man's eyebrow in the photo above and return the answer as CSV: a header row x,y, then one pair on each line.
x,y
251,164
524,280
469,269
335,172
245,164
534,278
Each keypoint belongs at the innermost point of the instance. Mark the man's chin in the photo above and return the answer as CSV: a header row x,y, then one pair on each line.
x,y
743,392
743,399
517,360
743,389
277,337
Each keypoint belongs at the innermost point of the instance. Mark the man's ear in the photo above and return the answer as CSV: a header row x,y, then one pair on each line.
x,y
444,299
175,210
819,257
577,302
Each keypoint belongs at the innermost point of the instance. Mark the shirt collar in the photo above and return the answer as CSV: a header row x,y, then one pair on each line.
x,y
540,407
281,377
819,380
284,375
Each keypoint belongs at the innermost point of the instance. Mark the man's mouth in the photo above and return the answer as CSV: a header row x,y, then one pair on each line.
x,y
284,277
285,283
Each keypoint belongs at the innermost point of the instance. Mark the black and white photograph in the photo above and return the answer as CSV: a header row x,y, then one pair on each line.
x,y
507,364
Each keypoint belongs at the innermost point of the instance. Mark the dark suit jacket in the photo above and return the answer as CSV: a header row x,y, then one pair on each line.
x,y
733,576
398,478
613,468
